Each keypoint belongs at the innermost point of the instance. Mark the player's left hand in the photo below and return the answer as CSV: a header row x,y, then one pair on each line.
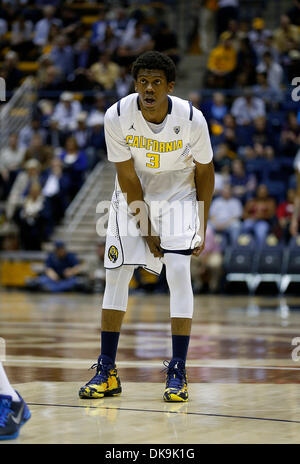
x,y
198,250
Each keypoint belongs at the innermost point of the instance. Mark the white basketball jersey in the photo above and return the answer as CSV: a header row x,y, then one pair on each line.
x,y
164,163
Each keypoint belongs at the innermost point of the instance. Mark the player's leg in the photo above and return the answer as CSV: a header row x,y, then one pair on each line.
x,y
106,381
181,311
13,409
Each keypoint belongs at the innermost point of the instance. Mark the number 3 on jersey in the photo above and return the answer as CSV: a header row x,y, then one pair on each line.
x,y
154,161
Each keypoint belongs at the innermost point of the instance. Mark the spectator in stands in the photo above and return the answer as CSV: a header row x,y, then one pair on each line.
x,y
196,100
243,184
274,71
37,150
75,164
294,13
55,137
99,27
247,108
81,132
105,72
124,83
31,219
110,42
226,213
258,36
207,28
13,75
21,185
133,43
21,38
218,108
44,61
290,135
42,27
50,83
96,142
66,112
11,158
259,214
54,32
264,90
3,29
28,131
55,191
70,21
285,34
292,65
262,134
84,56
62,56
98,109
222,63
284,214
223,156
61,271
222,177
207,270
256,151
246,63
165,41
227,10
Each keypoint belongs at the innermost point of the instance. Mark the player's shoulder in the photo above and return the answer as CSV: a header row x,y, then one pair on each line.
x,y
186,110
122,106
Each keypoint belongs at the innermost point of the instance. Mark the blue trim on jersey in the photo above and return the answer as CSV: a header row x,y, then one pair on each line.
x,y
170,104
119,107
191,111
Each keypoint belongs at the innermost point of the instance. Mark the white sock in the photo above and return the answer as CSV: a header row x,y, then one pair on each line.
x,y
5,386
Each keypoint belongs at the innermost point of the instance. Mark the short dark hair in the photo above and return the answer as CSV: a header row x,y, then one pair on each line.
x,y
155,60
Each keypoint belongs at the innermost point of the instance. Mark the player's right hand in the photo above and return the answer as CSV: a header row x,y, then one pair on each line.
x,y
153,243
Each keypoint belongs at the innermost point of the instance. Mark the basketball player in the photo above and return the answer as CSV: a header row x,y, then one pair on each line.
x,y
13,409
161,149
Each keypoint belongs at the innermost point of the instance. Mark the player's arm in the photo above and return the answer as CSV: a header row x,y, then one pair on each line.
x,y
131,187
205,184
204,170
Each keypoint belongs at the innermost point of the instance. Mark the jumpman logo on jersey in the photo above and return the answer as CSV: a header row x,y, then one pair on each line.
x,y
132,127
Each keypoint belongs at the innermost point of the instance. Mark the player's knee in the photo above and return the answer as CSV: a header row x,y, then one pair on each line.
x,y
178,270
116,288
179,281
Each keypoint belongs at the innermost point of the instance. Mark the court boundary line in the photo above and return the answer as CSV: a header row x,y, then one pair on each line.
x,y
10,361
191,413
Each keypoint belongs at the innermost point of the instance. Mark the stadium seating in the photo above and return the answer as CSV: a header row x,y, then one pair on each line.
x,y
291,265
268,263
239,260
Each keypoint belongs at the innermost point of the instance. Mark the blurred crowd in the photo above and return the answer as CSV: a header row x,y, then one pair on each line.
x,y
81,66
254,126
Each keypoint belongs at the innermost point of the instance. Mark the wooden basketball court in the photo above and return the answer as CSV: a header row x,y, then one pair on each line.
x,y
243,383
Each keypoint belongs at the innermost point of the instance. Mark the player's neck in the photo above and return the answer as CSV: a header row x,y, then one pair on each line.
x,y
155,115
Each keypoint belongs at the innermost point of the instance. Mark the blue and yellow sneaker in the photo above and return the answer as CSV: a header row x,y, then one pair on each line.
x,y
13,414
176,381
106,382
